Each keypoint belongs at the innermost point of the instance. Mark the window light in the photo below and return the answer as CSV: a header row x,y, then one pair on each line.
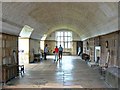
x,y
26,31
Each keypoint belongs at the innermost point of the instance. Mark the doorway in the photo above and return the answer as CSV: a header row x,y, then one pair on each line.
x,y
79,46
23,44
97,54
23,51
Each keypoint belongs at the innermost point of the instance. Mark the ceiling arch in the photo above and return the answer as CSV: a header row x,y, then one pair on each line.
x,y
65,27
87,19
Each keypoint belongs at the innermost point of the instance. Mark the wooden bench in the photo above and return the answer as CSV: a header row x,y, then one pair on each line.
x,y
9,72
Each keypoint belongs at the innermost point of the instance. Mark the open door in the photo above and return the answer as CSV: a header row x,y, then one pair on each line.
x,y
79,45
97,54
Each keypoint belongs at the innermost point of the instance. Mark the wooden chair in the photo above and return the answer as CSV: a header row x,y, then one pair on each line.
x,y
21,69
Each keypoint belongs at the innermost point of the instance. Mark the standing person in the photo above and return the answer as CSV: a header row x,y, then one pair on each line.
x,y
56,53
60,52
45,52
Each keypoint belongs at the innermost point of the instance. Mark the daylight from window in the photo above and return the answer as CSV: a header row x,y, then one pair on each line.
x,y
64,38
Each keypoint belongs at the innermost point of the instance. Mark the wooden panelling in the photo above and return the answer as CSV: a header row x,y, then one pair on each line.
x,y
91,48
113,45
118,51
9,43
97,41
0,49
88,48
33,45
9,72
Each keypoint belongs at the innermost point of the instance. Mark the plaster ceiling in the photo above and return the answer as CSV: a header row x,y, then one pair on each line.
x,y
87,19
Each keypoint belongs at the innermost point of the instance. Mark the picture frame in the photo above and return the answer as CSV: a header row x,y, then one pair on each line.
x,y
106,44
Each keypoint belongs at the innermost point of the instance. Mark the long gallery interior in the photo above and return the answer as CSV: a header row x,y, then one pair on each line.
x,y
87,31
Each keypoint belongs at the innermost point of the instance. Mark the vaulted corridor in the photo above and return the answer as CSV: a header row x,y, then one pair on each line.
x,y
87,34
70,72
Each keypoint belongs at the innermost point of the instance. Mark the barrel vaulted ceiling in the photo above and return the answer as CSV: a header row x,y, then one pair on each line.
x,y
87,19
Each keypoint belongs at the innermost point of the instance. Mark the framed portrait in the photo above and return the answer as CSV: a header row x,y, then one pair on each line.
x,y
106,44
87,46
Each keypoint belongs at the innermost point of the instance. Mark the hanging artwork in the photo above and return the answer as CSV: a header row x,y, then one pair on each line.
x,y
87,46
106,44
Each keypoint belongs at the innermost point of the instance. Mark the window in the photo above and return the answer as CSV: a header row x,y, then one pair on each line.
x,y
64,38
26,31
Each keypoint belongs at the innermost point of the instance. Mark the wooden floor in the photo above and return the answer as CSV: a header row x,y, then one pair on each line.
x,y
70,72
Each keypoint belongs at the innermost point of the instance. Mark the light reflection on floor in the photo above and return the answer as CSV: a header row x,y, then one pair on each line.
x,y
70,72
